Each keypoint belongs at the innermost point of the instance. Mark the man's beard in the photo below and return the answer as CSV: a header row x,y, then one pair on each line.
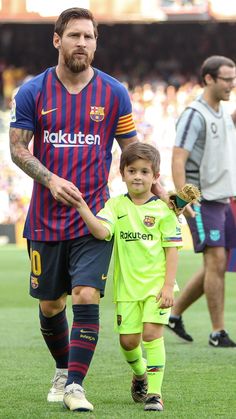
x,y
77,65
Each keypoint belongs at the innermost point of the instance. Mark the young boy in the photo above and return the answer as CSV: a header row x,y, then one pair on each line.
x,y
146,237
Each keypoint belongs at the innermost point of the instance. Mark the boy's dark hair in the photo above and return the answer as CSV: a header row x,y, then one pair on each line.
x,y
212,65
74,13
137,151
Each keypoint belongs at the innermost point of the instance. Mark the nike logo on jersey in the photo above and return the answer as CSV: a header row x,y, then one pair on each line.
x,y
43,112
162,313
104,277
121,216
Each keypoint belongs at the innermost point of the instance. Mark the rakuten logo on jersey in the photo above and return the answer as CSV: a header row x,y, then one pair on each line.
x,y
58,139
130,236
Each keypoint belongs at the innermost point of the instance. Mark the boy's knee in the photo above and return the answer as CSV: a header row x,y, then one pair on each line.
x,y
129,342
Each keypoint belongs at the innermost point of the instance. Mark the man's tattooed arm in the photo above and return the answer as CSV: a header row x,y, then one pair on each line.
x,y
61,189
22,157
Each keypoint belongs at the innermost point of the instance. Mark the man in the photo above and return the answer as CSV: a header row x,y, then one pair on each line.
x,y
73,111
205,155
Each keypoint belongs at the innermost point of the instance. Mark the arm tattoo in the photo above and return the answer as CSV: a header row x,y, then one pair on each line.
x,y
21,156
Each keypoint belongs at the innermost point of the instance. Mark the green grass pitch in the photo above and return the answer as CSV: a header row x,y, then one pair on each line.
x,y
199,380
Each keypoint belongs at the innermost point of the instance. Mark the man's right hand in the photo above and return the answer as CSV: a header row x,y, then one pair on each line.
x,y
64,191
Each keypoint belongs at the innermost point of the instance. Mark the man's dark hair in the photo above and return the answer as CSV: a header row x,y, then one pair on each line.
x,y
74,13
212,65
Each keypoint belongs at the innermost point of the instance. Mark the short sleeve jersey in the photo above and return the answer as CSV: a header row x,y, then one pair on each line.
x,y
73,137
141,232
190,135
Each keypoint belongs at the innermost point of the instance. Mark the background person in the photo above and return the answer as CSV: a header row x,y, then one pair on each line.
x,y
205,155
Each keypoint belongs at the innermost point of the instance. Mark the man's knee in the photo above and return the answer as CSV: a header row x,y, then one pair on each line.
x,y
51,308
85,295
215,260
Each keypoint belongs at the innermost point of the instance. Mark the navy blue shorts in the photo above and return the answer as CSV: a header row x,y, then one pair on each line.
x,y
58,267
213,226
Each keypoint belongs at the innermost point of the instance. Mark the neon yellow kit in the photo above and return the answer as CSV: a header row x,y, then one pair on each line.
x,y
141,232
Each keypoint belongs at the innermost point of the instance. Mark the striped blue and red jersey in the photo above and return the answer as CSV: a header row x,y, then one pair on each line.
x,y
73,138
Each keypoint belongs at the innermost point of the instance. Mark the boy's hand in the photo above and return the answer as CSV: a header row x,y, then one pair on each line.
x,y
165,297
189,212
80,203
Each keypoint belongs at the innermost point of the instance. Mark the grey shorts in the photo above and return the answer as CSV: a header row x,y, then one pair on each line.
x,y
213,226
57,267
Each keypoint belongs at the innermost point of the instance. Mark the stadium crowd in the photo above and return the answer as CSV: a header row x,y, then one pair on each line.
x,y
161,74
156,108
171,52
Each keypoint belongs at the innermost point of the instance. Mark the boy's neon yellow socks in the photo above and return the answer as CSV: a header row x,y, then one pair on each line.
x,y
156,358
135,360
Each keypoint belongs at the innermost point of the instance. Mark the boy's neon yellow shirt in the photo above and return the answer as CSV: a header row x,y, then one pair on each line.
x,y
141,232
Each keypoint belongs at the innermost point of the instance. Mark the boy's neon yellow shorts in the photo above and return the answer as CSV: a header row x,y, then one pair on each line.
x,y
130,315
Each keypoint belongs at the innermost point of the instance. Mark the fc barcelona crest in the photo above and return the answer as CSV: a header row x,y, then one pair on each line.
x,y
149,221
97,113
34,282
215,235
119,319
